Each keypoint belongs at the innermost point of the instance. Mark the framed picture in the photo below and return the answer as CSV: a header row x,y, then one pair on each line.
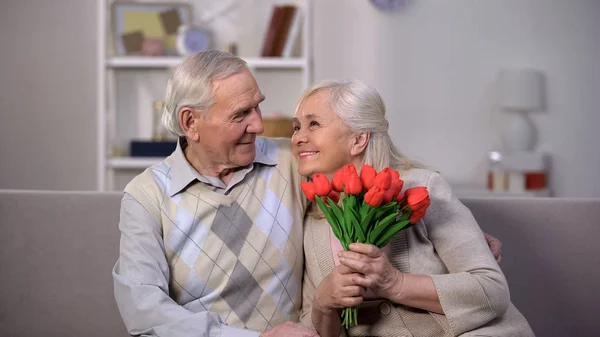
x,y
148,29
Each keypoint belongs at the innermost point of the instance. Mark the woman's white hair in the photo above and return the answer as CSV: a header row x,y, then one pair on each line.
x,y
191,84
361,109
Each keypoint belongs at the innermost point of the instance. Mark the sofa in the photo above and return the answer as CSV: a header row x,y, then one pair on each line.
x,y
57,250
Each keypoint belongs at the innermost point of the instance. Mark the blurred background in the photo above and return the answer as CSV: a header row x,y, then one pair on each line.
x,y
80,82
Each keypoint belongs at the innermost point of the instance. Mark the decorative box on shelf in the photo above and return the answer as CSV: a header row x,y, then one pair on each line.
x,y
519,173
148,148
278,127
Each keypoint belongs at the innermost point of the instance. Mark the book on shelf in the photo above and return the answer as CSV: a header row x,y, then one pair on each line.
x,y
284,20
292,37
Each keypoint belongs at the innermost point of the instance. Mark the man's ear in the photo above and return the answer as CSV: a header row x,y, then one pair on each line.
x,y
189,124
360,142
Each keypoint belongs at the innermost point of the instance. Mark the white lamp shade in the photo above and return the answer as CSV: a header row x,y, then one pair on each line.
x,y
521,89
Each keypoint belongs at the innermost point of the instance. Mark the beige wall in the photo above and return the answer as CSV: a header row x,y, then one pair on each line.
x,y
47,94
434,63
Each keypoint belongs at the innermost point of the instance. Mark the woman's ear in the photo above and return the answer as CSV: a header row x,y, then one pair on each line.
x,y
360,142
189,124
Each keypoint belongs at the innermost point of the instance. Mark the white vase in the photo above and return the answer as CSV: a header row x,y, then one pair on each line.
x,y
519,133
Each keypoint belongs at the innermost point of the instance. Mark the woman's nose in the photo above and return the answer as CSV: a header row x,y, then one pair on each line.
x,y
299,137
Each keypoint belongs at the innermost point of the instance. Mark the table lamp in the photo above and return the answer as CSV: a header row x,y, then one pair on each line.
x,y
520,92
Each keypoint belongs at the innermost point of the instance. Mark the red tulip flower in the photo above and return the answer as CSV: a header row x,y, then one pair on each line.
x,y
322,184
393,191
339,180
383,180
367,176
400,200
334,196
395,174
415,216
353,184
374,196
309,190
417,199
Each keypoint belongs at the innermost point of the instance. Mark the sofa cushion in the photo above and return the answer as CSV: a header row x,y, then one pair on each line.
x,y
57,250
550,258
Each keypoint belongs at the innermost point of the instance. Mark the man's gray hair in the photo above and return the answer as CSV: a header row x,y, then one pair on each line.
x,y
361,109
191,84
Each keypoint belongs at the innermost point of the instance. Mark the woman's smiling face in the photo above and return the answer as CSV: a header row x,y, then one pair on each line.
x,y
321,143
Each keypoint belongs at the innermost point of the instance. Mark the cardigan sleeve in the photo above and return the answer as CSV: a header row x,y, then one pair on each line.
x,y
475,290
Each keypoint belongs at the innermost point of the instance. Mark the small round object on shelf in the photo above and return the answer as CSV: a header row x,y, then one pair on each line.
x,y
192,39
389,5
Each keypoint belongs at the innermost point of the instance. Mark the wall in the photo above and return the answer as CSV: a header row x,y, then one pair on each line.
x,y
434,63
47,94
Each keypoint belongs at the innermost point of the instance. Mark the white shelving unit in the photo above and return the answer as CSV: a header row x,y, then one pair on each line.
x,y
109,68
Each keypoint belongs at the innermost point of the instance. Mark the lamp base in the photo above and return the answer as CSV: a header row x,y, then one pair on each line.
x,y
519,133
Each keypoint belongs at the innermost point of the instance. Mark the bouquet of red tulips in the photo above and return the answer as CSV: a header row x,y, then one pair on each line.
x,y
372,209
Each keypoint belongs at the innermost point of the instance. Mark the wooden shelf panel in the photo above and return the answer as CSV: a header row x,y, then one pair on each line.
x,y
132,162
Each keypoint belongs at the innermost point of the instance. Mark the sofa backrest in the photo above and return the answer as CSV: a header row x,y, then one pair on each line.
x,y
551,259
57,250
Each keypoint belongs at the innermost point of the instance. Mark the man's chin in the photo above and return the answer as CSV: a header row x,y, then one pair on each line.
x,y
245,157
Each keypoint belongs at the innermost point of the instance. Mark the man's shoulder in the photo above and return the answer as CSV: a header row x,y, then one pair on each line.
x,y
273,145
277,149
152,183
280,151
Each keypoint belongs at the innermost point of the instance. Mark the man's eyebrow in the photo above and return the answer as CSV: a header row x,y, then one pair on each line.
x,y
246,108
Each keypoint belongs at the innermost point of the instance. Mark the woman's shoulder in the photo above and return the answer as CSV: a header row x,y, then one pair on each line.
x,y
433,180
417,176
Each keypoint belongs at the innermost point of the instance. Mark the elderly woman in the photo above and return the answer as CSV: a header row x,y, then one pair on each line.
x,y
438,278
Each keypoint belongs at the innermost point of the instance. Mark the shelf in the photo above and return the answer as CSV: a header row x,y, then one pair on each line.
x,y
127,84
172,61
132,162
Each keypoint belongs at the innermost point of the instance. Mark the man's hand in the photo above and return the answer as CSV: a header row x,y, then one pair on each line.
x,y
495,246
290,329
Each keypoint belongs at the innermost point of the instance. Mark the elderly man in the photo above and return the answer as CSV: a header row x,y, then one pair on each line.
x,y
208,241
211,237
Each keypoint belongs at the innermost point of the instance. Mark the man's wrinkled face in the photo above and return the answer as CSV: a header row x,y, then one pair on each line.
x,y
229,128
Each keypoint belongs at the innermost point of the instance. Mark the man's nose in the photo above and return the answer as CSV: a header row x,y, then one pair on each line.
x,y
255,124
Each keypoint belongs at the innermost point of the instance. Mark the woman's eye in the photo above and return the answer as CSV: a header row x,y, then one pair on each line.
x,y
314,123
296,128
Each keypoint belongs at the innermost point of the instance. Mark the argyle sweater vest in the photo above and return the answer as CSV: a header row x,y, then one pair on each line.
x,y
240,254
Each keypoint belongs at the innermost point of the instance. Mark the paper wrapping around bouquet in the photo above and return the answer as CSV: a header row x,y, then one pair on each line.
x,y
278,127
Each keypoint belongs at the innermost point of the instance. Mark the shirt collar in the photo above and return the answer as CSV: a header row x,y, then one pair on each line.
x,y
182,172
